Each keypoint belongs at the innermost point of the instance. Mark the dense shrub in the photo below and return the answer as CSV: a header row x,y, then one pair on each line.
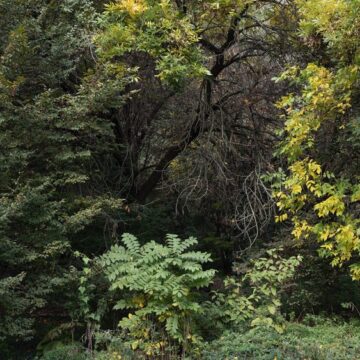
x,y
326,340
157,287
68,352
315,339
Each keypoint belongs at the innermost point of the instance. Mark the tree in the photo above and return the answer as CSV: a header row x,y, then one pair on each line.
x,y
321,191
50,135
204,104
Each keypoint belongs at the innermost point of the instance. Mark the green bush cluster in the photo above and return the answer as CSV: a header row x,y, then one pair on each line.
x,y
68,352
327,340
316,338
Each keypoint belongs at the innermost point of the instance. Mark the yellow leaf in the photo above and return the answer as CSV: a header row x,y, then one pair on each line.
x,y
296,189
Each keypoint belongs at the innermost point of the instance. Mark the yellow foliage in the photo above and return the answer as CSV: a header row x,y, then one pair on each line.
x,y
281,217
314,168
131,7
301,228
317,201
332,205
325,234
355,271
296,189
328,246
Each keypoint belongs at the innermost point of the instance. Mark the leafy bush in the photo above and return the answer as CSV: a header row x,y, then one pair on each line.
x,y
157,282
327,340
255,298
68,352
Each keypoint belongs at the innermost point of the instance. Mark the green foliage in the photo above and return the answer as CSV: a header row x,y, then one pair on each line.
x,y
326,340
256,297
113,345
89,91
92,304
158,282
11,327
337,21
157,29
69,352
318,288
169,33
50,134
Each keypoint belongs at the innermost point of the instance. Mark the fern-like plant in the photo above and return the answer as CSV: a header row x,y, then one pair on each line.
x,y
156,283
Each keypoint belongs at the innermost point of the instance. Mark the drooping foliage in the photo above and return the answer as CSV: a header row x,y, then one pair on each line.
x,y
321,121
199,65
